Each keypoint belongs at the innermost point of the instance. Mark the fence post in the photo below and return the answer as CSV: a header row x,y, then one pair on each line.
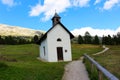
x,y
92,67
100,77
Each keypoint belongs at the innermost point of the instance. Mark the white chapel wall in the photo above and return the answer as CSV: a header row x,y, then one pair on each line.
x,y
53,35
42,54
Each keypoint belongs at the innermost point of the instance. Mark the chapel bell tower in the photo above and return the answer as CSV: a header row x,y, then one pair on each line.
x,y
56,18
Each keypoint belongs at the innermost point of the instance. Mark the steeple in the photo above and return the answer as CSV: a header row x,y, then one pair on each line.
x,y
56,18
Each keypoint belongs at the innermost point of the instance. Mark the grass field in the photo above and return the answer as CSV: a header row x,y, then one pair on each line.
x,y
79,50
110,60
19,62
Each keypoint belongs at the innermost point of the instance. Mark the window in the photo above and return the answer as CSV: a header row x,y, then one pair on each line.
x,y
44,50
59,39
65,50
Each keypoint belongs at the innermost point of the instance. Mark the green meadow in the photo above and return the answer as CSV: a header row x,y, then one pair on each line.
x,y
110,60
19,62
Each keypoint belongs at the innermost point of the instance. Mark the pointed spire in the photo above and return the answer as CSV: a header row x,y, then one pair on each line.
x,y
56,15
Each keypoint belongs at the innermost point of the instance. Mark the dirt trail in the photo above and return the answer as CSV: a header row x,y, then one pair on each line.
x,y
105,49
75,70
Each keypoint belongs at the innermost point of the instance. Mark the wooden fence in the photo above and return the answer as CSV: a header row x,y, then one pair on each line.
x,y
101,71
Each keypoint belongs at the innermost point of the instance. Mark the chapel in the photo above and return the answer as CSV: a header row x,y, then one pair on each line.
x,y
55,44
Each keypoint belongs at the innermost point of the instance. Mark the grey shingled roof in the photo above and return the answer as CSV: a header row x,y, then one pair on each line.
x,y
56,15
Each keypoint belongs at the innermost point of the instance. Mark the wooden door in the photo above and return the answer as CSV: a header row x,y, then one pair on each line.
x,y
59,53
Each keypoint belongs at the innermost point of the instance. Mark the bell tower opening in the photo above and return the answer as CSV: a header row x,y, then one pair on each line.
x,y
56,18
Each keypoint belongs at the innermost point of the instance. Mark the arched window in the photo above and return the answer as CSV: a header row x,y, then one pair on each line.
x,y
59,39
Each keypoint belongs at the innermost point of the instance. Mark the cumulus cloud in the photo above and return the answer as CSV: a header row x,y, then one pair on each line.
x,y
93,32
81,3
110,4
36,10
49,7
9,3
97,1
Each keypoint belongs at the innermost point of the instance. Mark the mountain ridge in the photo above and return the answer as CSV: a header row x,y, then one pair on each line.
x,y
8,30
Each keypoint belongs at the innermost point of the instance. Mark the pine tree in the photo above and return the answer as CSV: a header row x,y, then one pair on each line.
x,y
96,40
0,40
36,38
118,38
87,38
109,40
105,40
114,40
80,39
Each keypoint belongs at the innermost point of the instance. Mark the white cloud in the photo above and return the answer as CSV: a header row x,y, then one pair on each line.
x,y
49,7
36,10
81,3
110,4
93,32
9,3
97,1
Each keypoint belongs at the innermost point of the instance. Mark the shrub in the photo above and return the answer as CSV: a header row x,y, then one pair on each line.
x,y
3,65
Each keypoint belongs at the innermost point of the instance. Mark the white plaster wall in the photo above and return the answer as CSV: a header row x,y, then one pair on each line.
x,y
42,56
53,35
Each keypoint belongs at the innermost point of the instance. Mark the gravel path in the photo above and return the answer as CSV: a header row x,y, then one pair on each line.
x,y
105,49
75,70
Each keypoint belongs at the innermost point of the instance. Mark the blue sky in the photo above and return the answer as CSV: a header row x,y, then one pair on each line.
x,y
99,17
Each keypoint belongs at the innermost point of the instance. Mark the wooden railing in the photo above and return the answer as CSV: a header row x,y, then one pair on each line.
x,y
101,71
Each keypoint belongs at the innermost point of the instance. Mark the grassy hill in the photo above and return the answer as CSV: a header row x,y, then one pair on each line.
x,y
19,62
6,30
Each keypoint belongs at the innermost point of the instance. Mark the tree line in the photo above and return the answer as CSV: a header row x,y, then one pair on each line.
x,y
14,40
86,39
107,40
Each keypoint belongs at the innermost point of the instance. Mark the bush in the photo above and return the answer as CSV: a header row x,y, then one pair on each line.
x,y
3,65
